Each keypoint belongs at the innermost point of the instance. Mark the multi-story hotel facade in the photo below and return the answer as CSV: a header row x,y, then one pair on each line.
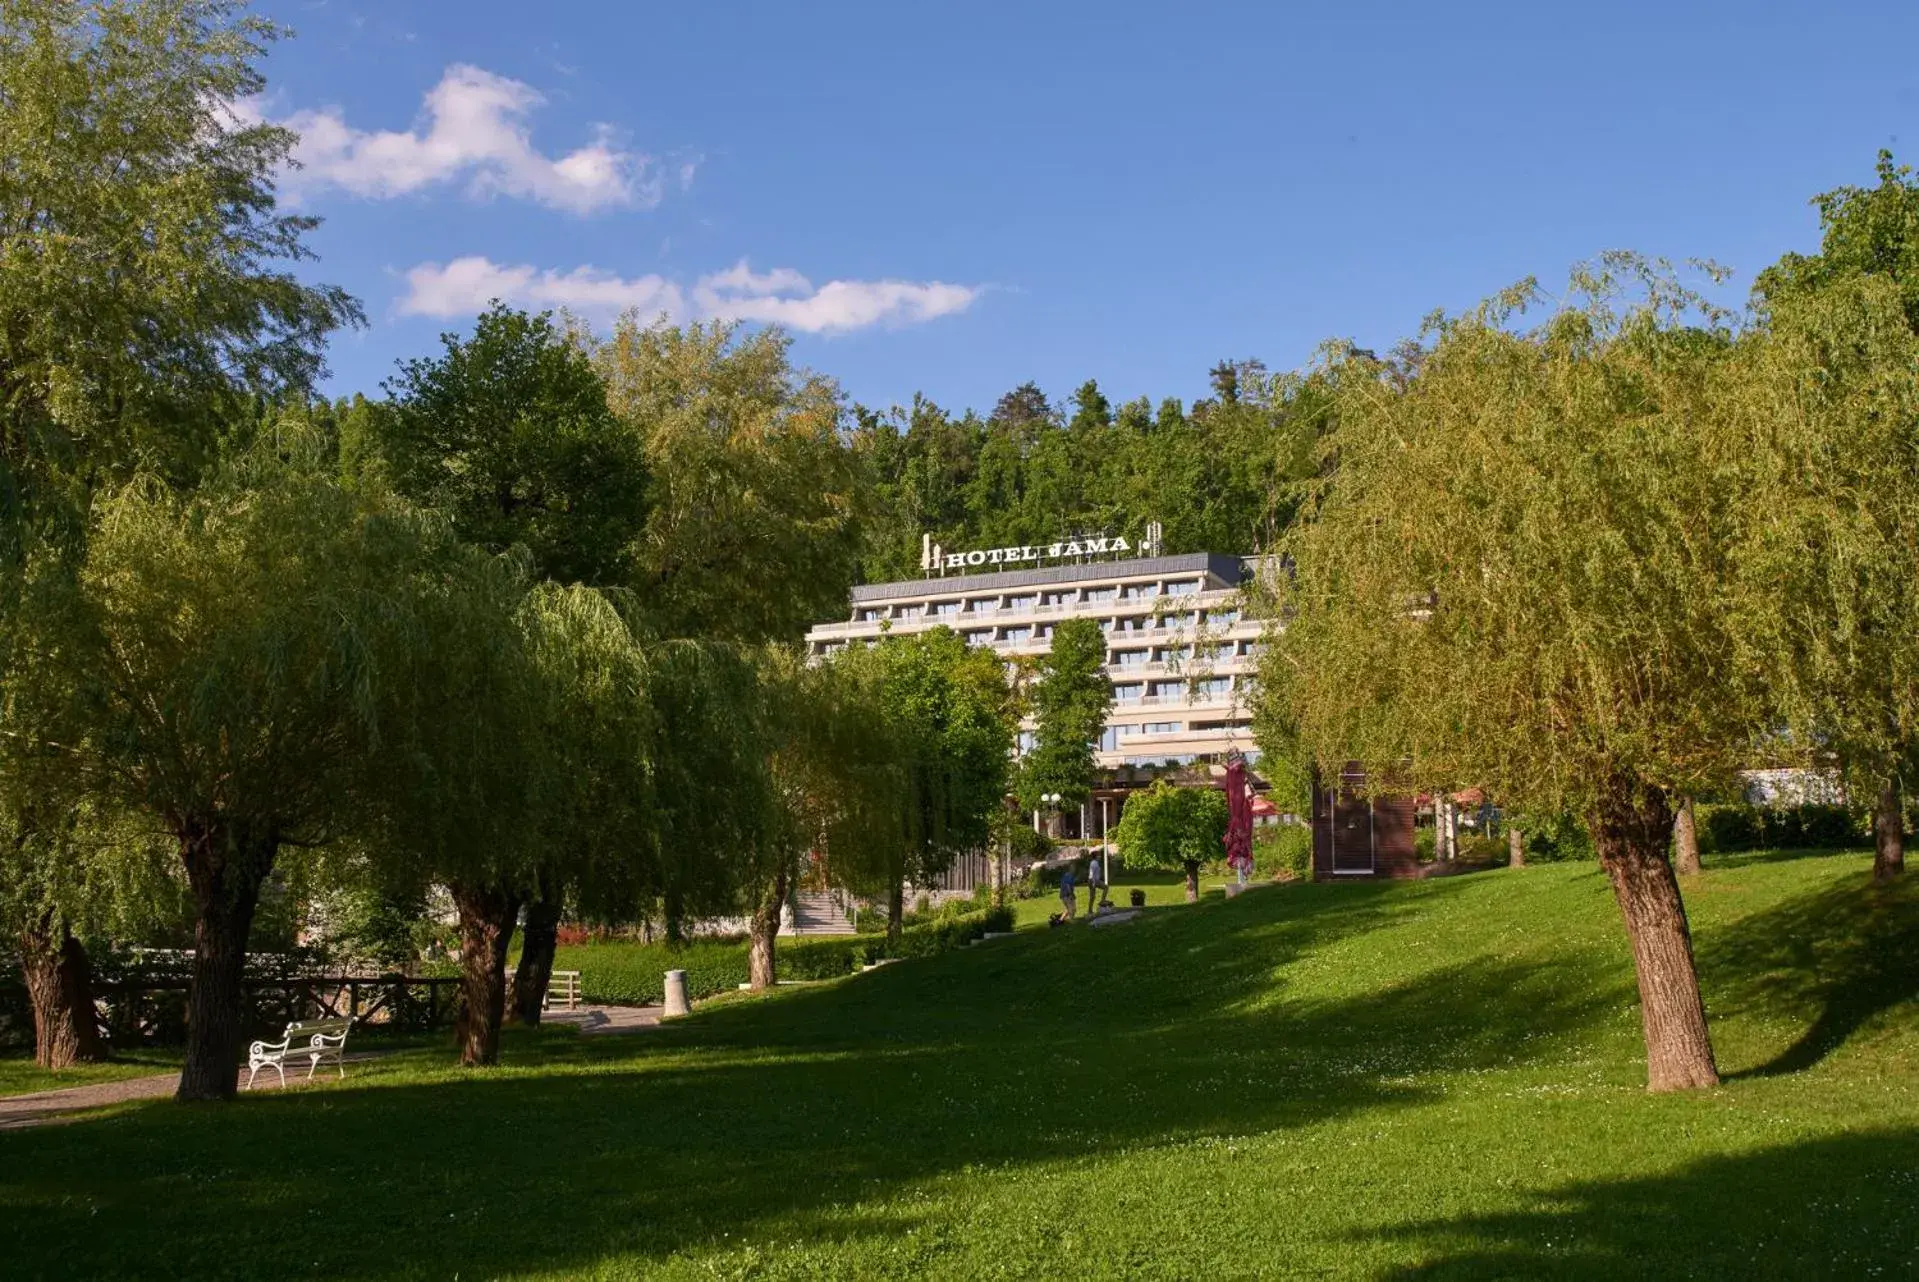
x,y
1180,650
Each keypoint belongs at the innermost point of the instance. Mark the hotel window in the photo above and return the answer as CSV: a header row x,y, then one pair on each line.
x,y
983,605
1222,618
1251,647
943,609
1129,625
1168,690
1176,620
1213,687
1045,632
1020,602
1162,727
871,615
1173,653
1185,588
1127,731
1108,739
1130,658
1140,592
1099,596
1062,598
1019,636
983,637
1128,692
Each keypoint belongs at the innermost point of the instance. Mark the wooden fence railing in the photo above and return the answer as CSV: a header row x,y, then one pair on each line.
x,y
155,1009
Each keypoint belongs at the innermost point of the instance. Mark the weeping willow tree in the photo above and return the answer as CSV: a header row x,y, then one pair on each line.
x,y
226,661
750,482
1828,391
594,839
1518,573
835,784
948,709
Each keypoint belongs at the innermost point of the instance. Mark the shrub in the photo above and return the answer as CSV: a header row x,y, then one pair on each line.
x,y
1725,829
634,974
1556,839
1027,845
953,932
827,958
1284,850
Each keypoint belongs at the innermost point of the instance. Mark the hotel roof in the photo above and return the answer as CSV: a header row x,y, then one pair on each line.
x,y
1225,569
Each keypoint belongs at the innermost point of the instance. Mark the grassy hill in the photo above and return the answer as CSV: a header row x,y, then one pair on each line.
x,y
1438,1079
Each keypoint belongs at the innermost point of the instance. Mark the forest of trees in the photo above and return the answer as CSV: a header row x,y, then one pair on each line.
x,y
1220,476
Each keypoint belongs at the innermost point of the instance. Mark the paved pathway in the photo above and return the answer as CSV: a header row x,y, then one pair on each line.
x,y
43,1106
594,1021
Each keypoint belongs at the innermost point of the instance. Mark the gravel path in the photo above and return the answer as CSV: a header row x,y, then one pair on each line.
x,y
46,1106
593,1021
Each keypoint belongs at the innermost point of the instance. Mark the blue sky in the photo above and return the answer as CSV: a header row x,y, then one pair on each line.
x,y
956,198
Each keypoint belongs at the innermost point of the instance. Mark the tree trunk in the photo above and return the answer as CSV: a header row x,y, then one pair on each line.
x,y
1685,841
1888,833
535,971
226,867
895,913
487,914
1515,847
60,987
766,928
1631,828
1192,881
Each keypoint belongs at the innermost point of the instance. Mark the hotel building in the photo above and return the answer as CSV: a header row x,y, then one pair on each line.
x,y
1180,652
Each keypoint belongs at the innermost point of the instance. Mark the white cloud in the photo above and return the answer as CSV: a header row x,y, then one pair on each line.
x,y
781,296
472,129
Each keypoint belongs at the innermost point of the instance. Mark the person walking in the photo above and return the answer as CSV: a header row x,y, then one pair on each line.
x,y
1066,896
1092,886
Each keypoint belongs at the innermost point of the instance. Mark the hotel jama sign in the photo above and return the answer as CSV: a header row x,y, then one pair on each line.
x,y
935,558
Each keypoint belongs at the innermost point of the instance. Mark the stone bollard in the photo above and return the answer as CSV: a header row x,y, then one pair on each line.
x,y
675,993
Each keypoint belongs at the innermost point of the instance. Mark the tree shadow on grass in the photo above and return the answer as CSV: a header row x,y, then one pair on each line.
x,y
1838,958
1834,1207
794,1119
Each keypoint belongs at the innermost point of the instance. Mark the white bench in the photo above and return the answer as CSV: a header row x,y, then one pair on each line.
x,y
563,989
316,1042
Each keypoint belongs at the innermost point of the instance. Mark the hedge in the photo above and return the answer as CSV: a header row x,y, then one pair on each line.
x,y
1724,829
627,974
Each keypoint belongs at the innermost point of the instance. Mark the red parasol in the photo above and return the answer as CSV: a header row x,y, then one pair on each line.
x,y
1239,811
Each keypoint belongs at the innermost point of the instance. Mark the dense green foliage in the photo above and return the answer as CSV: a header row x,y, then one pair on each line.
x,y
1169,826
1217,477
146,283
509,434
1216,1091
634,974
1069,699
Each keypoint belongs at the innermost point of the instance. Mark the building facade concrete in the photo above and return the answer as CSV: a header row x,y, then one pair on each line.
x,y
1181,652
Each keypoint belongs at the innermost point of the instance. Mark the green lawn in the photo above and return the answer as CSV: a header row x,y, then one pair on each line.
x,y
19,1075
1438,1079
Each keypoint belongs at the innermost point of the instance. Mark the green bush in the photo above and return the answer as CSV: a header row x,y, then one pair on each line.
x,y
1725,829
1556,839
950,933
631,974
826,958
1027,845
1283,849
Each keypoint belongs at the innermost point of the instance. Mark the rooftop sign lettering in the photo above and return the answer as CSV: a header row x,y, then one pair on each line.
x,y
934,558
